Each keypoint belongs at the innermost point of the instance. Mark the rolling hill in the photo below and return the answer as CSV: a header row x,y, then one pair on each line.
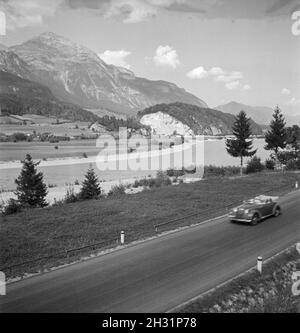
x,y
260,114
187,119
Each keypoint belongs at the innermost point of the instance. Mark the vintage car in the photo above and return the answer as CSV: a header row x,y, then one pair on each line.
x,y
254,210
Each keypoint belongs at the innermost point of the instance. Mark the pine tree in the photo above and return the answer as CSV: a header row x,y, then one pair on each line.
x,y
241,146
31,189
293,138
90,187
276,137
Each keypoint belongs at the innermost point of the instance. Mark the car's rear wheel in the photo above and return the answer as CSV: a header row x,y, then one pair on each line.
x,y
255,219
277,211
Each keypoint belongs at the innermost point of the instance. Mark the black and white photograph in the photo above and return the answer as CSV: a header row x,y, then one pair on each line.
x,y
149,159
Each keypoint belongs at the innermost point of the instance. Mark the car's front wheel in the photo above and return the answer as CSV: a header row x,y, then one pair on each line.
x,y
255,219
277,211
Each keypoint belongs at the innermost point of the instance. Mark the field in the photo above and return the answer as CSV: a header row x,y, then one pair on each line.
x,y
45,232
42,124
15,151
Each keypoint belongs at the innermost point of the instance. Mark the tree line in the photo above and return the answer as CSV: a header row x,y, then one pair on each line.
x,y
282,141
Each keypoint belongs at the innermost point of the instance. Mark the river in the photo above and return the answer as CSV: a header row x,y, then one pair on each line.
x,y
65,172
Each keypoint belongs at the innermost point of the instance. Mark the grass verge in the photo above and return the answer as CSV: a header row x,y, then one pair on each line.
x,y
269,292
51,232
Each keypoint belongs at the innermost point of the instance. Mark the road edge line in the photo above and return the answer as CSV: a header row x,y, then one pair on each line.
x,y
195,298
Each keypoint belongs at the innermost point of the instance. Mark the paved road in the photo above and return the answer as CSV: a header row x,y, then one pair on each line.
x,y
157,275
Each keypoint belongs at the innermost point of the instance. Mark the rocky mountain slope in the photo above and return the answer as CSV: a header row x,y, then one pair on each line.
x,y
11,63
21,96
186,119
76,74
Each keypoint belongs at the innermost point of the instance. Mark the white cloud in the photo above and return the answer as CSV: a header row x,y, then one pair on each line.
x,y
231,79
23,13
219,74
198,73
166,56
246,87
216,71
229,76
285,91
117,58
294,102
232,85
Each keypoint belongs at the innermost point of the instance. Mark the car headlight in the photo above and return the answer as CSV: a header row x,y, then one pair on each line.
x,y
234,210
247,211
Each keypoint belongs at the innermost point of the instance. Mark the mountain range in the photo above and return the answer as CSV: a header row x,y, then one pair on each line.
x,y
53,76
77,75
260,114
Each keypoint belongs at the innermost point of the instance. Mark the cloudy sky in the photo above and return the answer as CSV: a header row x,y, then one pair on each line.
x,y
220,50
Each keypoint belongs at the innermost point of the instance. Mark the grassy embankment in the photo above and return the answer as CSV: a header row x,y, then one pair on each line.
x,y
269,292
44,232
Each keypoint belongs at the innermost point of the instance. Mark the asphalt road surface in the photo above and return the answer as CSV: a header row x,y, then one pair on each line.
x,y
160,274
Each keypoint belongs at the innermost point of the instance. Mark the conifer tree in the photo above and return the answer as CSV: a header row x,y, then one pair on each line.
x,y
276,137
90,187
241,146
31,189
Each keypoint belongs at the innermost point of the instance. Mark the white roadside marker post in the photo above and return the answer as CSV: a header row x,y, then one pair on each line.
x,y
259,264
122,237
296,185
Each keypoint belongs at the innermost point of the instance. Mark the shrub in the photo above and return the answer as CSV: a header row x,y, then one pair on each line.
x,y
232,171
254,165
215,171
162,179
175,172
18,137
70,196
84,155
285,156
150,182
270,164
293,164
116,191
212,170
136,183
12,207
54,140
